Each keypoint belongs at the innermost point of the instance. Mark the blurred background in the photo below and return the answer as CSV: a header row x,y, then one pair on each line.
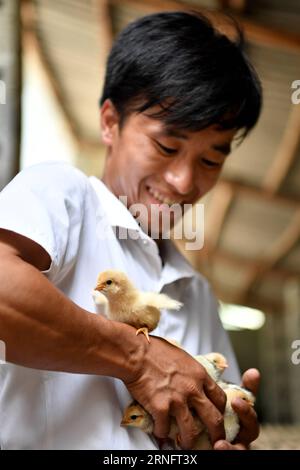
x,y
52,63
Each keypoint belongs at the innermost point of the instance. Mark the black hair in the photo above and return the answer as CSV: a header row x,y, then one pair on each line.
x,y
179,61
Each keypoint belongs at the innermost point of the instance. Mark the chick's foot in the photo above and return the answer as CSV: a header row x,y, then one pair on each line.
x,y
145,332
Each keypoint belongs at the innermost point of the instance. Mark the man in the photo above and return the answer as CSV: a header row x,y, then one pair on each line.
x,y
176,94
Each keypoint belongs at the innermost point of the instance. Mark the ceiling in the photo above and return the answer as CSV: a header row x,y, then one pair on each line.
x,y
252,217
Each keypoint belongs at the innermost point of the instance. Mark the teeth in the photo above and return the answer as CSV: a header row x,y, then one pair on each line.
x,y
161,198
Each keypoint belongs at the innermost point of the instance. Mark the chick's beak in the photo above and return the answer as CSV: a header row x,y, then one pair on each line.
x,y
224,365
100,287
124,422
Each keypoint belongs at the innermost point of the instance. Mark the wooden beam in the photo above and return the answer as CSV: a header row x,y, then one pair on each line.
x,y
270,37
11,83
238,6
247,190
286,152
102,9
240,262
280,248
255,32
218,208
259,302
31,41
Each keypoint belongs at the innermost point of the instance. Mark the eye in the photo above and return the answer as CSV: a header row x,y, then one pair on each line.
x,y
109,282
211,163
167,150
133,417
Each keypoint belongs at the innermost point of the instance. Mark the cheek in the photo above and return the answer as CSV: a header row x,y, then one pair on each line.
x,y
206,180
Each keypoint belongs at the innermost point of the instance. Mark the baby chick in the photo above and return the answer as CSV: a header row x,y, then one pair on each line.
x,y
231,419
129,305
214,364
136,416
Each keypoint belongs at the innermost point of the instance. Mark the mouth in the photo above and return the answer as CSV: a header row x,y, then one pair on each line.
x,y
160,198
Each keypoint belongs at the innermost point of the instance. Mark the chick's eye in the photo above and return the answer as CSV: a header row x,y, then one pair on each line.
x,y
133,417
109,282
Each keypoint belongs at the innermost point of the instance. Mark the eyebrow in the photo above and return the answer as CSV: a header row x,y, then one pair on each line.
x,y
175,133
225,149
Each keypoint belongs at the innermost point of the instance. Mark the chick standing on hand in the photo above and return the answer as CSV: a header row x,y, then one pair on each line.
x,y
129,305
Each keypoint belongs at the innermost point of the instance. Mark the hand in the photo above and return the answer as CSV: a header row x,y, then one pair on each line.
x,y
169,383
248,419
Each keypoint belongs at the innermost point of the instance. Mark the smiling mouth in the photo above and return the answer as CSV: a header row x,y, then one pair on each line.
x,y
161,199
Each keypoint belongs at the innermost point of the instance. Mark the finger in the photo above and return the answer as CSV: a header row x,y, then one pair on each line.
x,y
161,423
215,394
210,416
251,379
249,429
187,427
225,445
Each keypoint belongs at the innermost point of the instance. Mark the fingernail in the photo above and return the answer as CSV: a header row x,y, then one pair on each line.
x,y
221,445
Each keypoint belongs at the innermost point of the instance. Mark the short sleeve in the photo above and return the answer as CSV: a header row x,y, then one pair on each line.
x,y
45,203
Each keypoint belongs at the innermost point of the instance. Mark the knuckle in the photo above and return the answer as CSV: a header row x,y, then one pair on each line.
x,y
178,402
189,440
160,408
219,421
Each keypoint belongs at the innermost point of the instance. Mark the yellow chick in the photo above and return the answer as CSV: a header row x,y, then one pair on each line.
x,y
129,305
136,416
231,419
214,364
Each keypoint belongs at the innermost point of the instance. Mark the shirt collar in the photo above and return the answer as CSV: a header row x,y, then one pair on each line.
x,y
176,266
117,215
116,212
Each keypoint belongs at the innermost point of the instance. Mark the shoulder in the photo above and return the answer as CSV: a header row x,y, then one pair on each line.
x,y
63,175
49,181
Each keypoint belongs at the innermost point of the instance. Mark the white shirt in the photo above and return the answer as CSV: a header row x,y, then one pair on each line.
x,y
73,217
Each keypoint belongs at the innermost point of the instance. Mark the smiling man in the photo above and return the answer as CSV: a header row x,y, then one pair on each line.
x,y
176,94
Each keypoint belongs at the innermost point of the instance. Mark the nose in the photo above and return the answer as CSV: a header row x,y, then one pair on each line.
x,y
180,175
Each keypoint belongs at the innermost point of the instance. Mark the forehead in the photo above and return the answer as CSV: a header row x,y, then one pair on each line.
x,y
156,128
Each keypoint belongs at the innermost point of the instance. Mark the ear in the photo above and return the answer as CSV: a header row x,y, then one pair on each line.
x,y
109,119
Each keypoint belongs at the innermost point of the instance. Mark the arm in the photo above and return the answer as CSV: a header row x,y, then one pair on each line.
x,y
43,329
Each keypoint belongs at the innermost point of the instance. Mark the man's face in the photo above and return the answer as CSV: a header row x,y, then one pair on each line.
x,y
153,165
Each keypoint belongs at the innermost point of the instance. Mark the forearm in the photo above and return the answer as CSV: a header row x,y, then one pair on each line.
x,y
43,329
